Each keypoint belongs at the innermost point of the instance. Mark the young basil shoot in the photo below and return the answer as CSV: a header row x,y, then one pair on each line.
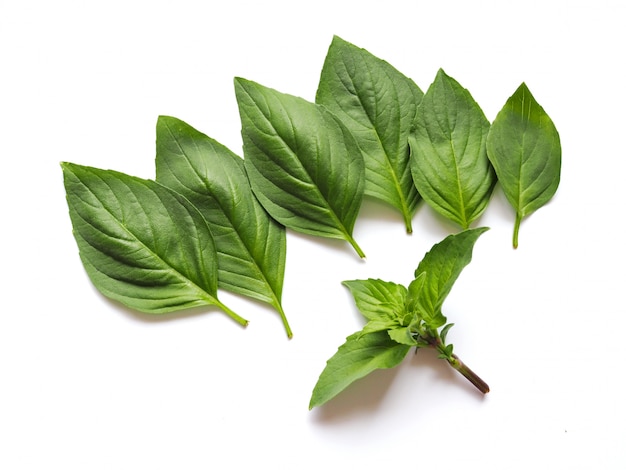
x,y
399,318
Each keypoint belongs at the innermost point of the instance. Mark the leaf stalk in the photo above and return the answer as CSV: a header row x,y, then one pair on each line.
x,y
242,321
518,221
355,245
283,317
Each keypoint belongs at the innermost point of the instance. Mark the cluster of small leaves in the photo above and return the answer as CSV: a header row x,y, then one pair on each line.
x,y
399,318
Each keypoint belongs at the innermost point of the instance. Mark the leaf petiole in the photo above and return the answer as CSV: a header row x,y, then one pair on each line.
x,y
283,317
242,321
355,245
518,221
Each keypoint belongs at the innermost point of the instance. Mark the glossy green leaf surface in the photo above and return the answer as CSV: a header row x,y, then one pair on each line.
x,y
141,243
251,246
357,357
303,164
448,152
378,104
441,267
525,150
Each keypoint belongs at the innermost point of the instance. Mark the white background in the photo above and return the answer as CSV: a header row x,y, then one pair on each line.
x,y
88,384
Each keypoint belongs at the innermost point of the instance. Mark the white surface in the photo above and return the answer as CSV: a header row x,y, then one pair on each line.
x,y
87,384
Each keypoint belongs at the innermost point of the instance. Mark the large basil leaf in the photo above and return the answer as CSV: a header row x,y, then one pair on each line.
x,y
448,152
304,165
250,245
441,267
141,243
525,150
378,104
357,357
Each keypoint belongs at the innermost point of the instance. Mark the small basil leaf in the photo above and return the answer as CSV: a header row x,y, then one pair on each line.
x,y
141,243
448,152
303,164
444,332
378,104
413,294
402,335
251,246
525,150
442,266
446,352
357,357
373,326
378,300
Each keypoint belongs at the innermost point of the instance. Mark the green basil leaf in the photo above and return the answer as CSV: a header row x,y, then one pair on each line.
x,y
357,357
448,152
250,245
402,335
378,300
373,326
378,104
141,243
444,332
442,266
303,164
414,292
525,150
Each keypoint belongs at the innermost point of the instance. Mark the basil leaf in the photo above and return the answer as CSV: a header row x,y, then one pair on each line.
x,y
378,104
525,150
378,300
402,335
357,357
251,246
441,267
303,164
448,152
141,243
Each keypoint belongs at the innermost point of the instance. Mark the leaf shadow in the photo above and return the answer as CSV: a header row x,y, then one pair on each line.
x,y
362,397
341,247
149,318
376,211
366,395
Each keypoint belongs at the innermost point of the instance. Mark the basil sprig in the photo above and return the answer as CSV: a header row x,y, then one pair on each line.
x,y
399,318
